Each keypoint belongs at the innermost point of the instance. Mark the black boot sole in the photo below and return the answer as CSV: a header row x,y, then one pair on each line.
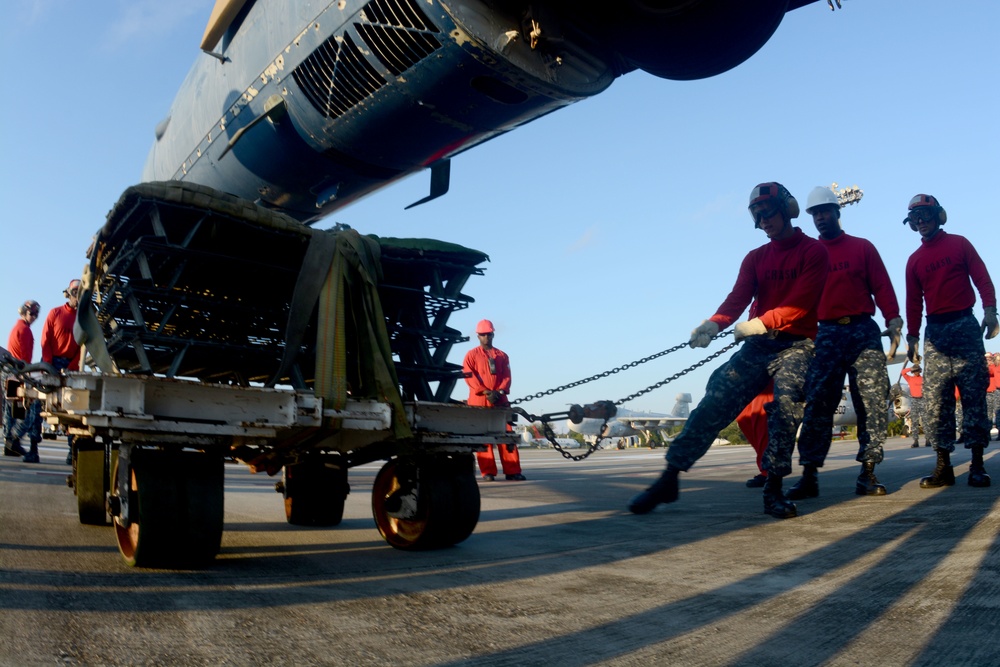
x,y
980,481
660,492
788,511
937,482
802,494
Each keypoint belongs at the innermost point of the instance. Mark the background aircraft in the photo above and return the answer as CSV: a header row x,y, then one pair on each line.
x,y
648,429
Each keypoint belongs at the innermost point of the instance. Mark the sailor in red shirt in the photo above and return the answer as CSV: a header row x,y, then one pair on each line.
x,y
916,383
59,347
993,393
21,345
782,282
938,274
848,343
487,372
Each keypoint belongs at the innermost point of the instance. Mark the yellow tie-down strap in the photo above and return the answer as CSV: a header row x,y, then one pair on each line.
x,y
352,342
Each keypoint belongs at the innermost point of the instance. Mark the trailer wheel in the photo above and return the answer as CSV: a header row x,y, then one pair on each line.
x,y
91,482
176,501
447,505
314,493
466,500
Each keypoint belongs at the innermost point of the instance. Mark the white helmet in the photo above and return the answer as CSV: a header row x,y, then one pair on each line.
x,y
820,196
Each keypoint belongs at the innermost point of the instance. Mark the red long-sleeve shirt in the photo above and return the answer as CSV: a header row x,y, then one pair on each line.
x,y
476,367
939,272
784,280
916,383
994,378
57,336
856,274
21,343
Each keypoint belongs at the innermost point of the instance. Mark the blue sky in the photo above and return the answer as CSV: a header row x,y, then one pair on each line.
x,y
614,227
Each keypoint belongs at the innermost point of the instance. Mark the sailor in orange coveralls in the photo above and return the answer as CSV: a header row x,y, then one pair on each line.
x,y
59,347
487,372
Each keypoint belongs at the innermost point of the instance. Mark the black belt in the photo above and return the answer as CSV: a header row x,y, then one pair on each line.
x,y
784,335
847,319
945,318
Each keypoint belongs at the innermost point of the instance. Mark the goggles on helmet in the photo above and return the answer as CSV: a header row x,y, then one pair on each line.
x,y
764,210
922,214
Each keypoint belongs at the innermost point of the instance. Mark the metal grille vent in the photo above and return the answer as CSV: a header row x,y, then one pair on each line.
x,y
336,76
398,33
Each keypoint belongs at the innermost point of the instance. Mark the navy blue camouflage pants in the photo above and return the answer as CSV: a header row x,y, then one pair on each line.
x,y
917,418
853,350
736,383
954,356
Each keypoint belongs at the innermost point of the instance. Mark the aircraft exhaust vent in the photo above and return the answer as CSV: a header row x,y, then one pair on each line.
x,y
336,76
398,33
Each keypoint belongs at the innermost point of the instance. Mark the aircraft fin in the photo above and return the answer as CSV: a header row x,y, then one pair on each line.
x,y
440,181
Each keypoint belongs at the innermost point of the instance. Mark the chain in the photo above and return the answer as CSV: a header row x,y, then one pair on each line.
x,y
605,374
673,377
550,435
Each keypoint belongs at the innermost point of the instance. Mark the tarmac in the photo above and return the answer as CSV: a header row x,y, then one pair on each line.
x,y
557,573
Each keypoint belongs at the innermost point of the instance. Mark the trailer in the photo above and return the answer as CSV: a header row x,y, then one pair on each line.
x,y
149,456
219,330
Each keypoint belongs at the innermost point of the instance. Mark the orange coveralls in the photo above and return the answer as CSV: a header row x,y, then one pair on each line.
x,y
480,379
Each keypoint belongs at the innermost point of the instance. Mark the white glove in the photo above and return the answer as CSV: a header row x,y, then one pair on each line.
x,y
703,334
990,326
895,333
752,327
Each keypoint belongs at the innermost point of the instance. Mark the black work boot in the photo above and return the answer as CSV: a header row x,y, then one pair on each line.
x,y
867,481
977,472
32,454
808,486
775,502
13,447
663,490
943,475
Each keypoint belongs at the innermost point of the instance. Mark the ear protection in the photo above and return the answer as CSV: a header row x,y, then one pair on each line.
x,y
788,201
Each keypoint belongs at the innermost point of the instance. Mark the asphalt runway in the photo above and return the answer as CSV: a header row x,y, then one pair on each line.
x,y
556,573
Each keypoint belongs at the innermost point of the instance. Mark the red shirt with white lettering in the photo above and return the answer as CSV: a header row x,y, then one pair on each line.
x,y
939,273
784,280
856,274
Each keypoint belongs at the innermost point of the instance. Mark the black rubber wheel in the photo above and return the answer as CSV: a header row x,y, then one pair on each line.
x,y
448,502
177,516
91,482
314,493
465,499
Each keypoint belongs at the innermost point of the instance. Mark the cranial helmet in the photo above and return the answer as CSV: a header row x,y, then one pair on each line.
x,y
74,285
484,327
777,194
28,306
821,196
924,207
